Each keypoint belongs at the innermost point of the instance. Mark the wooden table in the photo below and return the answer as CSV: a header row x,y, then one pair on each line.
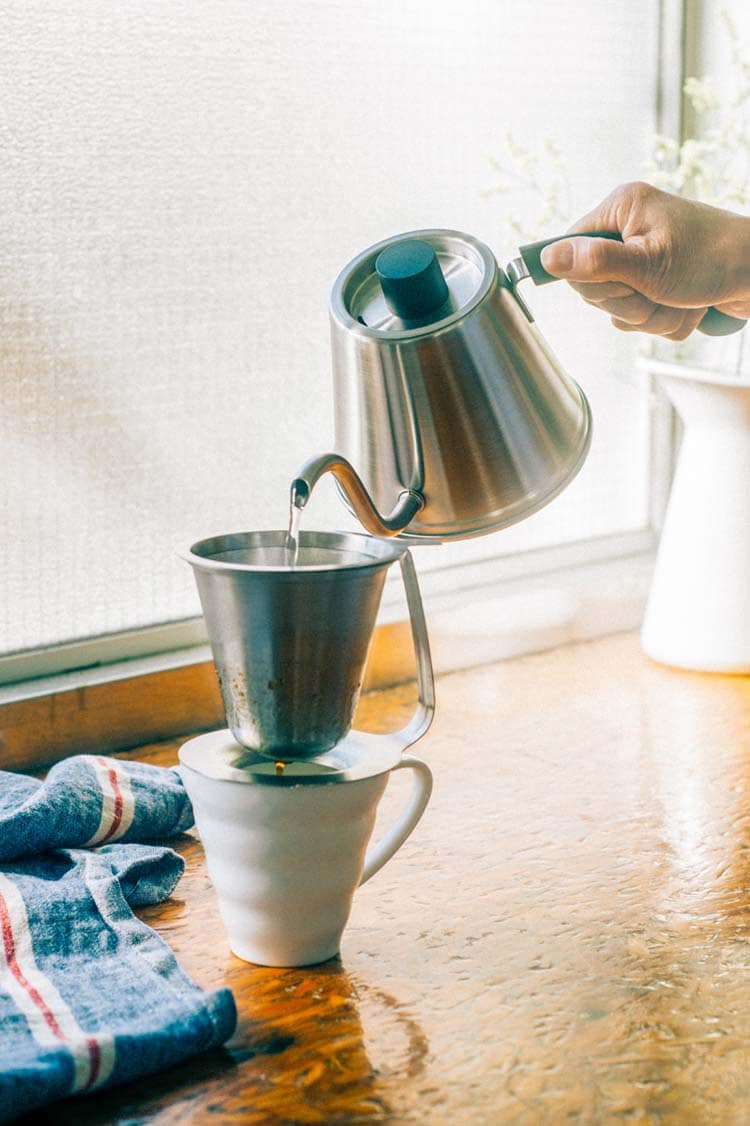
x,y
566,937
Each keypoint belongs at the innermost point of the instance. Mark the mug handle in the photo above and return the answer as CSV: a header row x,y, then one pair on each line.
x,y
380,853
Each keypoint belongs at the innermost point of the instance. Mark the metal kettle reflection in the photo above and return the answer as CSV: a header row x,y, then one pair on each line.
x,y
452,416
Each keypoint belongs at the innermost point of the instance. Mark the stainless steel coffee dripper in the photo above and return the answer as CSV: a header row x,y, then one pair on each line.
x,y
452,416
290,645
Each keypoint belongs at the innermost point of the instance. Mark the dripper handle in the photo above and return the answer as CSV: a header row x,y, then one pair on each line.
x,y
713,323
425,709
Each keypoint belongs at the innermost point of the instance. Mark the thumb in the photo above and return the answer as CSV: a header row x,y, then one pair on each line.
x,y
584,259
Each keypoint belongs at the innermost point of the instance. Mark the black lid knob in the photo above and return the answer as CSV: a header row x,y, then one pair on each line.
x,y
412,281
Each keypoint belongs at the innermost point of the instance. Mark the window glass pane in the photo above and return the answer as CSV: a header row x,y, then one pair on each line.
x,y
180,184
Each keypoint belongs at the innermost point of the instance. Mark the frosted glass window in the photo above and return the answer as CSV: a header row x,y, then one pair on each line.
x,y
181,183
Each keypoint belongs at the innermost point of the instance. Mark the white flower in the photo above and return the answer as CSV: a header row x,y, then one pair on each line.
x,y
702,94
666,149
713,165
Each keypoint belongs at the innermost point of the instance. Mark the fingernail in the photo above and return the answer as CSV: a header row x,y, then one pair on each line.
x,y
558,258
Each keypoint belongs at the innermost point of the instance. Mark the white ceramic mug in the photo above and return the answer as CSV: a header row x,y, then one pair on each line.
x,y
285,860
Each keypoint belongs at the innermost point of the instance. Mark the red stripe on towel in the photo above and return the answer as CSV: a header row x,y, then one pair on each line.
x,y
95,1059
10,957
118,807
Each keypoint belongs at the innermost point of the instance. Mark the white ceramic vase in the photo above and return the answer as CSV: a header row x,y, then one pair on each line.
x,y
698,612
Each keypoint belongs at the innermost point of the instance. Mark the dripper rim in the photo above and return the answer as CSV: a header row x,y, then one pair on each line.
x,y
217,756
389,551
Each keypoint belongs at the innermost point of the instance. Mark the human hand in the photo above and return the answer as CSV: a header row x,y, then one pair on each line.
x,y
676,259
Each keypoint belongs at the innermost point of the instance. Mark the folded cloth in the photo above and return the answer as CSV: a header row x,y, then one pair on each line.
x,y
88,800
89,995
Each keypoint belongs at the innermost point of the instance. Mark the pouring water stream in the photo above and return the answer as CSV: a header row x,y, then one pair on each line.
x,y
292,536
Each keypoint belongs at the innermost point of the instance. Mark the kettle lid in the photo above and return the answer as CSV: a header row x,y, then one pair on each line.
x,y
411,282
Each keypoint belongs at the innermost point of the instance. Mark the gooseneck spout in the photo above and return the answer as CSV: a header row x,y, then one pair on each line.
x,y
407,506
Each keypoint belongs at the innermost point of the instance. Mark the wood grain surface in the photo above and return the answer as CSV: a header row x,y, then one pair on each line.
x,y
565,938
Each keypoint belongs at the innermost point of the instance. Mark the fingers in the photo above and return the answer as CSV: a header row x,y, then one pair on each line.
x,y
632,312
596,292
620,301
691,318
618,211
740,308
672,324
677,253
583,259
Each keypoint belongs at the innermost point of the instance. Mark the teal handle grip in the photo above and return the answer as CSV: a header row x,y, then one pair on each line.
x,y
713,323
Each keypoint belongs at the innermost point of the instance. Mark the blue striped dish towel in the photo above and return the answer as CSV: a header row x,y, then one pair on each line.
x,y
89,995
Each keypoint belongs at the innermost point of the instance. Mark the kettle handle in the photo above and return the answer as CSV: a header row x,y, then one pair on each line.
x,y
713,323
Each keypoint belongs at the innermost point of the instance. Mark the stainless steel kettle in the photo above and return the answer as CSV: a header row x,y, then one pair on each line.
x,y
452,416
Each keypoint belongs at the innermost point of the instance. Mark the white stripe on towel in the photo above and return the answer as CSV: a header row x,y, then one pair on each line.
x,y
50,1020
118,802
